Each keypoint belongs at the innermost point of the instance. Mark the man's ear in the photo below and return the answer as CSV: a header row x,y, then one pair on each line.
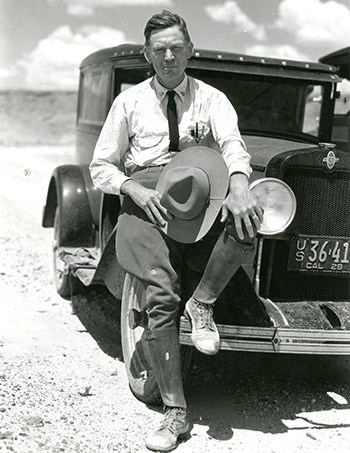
x,y
146,54
190,49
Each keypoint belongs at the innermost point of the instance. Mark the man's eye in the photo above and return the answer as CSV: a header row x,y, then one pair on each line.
x,y
160,50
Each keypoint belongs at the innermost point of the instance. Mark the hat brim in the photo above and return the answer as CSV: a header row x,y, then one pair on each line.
x,y
207,159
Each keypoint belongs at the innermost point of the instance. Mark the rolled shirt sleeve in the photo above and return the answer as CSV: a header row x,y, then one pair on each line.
x,y
112,144
224,126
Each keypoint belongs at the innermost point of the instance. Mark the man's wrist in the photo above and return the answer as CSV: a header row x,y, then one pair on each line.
x,y
125,187
238,179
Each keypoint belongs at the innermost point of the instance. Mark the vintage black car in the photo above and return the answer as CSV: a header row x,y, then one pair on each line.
x,y
300,298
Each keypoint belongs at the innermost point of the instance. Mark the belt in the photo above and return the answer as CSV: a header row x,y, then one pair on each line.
x,y
147,169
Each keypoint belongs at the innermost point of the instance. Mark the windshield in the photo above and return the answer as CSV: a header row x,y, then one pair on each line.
x,y
271,106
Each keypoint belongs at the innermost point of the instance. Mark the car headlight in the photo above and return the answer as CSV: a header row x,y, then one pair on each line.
x,y
279,203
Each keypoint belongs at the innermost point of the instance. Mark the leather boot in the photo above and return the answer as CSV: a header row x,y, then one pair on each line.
x,y
174,426
164,350
227,256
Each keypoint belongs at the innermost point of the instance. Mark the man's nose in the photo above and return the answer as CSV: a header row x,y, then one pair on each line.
x,y
169,55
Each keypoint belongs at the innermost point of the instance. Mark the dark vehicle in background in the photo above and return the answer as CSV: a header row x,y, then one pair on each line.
x,y
300,276
341,123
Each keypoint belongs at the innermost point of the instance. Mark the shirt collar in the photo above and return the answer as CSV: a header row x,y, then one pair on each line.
x,y
162,91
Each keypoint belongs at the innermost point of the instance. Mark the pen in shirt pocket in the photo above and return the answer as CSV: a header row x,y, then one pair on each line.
x,y
197,133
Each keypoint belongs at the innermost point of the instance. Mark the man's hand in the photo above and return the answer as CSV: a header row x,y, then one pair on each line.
x,y
244,206
148,200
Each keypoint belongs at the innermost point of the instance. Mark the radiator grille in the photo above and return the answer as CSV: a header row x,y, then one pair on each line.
x,y
323,201
323,209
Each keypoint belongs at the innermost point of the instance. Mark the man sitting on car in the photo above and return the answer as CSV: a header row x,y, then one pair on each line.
x,y
146,128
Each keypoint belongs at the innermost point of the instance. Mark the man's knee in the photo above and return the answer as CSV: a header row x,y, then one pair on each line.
x,y
162,306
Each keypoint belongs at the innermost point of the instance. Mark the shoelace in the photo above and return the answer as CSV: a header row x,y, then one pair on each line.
x,y
206,314
170,417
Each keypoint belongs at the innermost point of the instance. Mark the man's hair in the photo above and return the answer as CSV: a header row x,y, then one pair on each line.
x,y
163,20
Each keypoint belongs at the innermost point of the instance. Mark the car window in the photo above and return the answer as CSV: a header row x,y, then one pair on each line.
x,y
312,111
93,101
342,104
126,78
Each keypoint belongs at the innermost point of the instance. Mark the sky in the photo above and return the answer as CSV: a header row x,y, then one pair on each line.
x,y
42,42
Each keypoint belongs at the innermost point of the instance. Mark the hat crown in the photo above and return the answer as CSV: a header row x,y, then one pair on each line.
x,y
186,191
192,187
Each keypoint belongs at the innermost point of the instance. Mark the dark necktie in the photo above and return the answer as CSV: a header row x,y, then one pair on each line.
x,y
172,121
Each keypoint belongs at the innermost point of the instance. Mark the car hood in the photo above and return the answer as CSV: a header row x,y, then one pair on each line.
x,y
263,149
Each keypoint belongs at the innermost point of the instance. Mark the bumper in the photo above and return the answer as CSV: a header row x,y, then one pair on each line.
x,y
276,339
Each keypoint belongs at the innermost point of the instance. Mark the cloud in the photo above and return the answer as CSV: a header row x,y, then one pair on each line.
x,y
79,9
87,7
54,63
10,78
284,51
315,23
231,13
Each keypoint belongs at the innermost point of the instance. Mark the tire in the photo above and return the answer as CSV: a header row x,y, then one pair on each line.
x,y
60,269
135,348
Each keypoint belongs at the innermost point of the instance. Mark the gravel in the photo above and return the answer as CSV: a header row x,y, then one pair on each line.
x,y
63,386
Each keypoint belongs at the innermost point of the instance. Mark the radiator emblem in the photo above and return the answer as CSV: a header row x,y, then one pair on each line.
x,y
330,160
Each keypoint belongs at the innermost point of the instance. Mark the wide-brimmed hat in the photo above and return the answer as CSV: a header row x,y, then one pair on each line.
x,y
193,186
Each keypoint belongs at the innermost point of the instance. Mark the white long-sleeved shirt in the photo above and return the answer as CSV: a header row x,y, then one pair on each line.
x,y
136,134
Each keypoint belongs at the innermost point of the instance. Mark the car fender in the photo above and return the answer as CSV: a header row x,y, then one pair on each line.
x,y
68,192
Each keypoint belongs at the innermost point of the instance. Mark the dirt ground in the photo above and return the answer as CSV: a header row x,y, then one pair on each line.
x,y
37,117
63,386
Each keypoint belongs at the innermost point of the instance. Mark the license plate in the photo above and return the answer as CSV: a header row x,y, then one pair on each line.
x,y
320,254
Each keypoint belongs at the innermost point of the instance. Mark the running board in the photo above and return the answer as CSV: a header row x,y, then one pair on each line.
x,y
276,339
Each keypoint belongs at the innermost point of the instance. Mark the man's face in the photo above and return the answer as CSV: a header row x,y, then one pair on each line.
x,y
168,52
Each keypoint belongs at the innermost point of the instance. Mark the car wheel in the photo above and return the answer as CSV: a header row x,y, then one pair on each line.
x,y
136,354
135,348
60,268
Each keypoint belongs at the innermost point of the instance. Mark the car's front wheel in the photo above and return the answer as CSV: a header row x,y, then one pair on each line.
x,y
136,353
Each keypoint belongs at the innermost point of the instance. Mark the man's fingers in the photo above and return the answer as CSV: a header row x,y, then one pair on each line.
x,y
159,219
150,215
239,229
156,212
248,225
149,201
257,220
224,215
154,216
163,210
169,215
259,210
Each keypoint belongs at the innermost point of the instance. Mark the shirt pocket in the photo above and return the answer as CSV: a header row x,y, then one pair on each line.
x,y
148,142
